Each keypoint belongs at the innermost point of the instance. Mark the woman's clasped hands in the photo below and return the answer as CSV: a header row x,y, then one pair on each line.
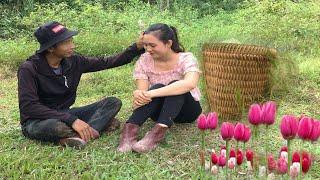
x,y
141,98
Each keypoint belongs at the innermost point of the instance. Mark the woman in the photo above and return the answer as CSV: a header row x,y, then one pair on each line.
x,y
166,80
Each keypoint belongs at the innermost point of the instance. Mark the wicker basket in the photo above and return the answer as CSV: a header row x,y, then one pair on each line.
x,y
236,76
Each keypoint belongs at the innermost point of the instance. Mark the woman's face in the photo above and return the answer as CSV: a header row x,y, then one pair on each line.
x,y
156,47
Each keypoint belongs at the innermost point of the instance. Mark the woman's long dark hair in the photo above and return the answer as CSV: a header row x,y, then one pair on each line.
x,y
165,33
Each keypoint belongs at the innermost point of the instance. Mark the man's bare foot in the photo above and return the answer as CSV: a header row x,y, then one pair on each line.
x,y
74,142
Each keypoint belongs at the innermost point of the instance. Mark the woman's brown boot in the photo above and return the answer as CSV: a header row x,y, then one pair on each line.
x,y
128,137
151,139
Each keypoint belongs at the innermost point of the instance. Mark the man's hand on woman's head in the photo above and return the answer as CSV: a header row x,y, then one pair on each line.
x,y
139,41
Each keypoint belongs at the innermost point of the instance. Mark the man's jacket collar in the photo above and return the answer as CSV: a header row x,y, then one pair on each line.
x,y
42,66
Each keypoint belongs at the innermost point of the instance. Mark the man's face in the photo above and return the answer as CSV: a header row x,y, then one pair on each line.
x,y
64,49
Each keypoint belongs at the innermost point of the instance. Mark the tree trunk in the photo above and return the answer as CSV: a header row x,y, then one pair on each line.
x,y
164,4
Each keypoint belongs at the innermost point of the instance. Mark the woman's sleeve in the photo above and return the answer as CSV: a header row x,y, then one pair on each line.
x,y
140,68
190,64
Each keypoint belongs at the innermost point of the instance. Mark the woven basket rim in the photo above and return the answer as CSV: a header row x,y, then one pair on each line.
x,y
265,51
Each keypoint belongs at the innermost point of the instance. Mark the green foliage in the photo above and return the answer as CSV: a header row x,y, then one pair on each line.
x,y
21,6
283,24
206,7
97,25
9,23
106,29
13,51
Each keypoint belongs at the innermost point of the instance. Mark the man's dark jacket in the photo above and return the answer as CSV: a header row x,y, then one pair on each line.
x,y
45,95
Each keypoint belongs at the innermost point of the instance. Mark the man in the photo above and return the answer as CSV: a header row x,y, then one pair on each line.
x,y
47,85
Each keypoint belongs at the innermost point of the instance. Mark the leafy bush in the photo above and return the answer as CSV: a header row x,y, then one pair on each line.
x,y
102,31
206,7
284,25
9,23
14,51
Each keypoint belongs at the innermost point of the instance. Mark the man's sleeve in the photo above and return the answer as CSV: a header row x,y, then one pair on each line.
x,y
29,103
92,64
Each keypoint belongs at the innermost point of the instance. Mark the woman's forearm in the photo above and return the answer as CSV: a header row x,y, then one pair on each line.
x,y
176,88
142,84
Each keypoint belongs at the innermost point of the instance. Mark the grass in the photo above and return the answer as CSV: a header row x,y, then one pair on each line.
x,y
21,157
176,158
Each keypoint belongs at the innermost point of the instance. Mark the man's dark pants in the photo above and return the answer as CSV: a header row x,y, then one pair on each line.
x,y
98,115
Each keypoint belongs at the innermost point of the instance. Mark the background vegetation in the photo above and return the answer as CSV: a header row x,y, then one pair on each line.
x,y
108,26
